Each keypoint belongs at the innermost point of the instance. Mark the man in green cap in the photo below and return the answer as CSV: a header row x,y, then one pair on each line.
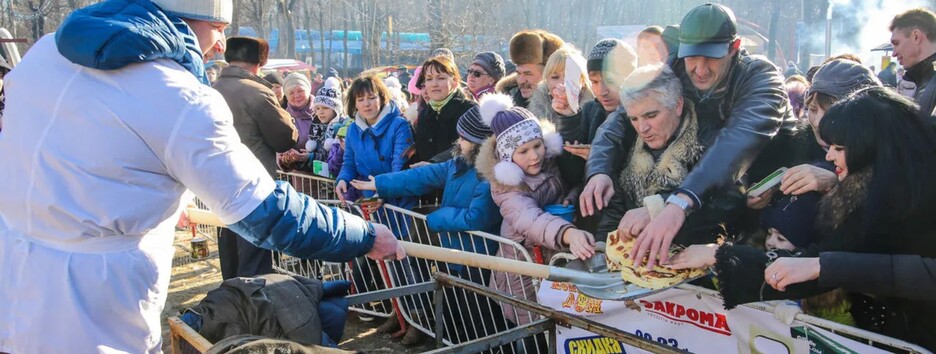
x,y
740,94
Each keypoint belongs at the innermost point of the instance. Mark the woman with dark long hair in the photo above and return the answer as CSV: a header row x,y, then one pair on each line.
x,y
882,148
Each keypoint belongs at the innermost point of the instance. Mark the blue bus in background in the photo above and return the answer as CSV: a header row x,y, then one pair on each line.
x,y
413,47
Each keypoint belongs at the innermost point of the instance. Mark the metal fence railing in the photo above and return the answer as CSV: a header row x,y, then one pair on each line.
x,y
464,311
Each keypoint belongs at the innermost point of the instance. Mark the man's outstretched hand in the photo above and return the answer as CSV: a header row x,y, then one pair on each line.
x,y
386,247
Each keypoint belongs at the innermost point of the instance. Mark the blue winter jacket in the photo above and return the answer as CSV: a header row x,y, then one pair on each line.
x,y
382,148
115,33
297,225
466,202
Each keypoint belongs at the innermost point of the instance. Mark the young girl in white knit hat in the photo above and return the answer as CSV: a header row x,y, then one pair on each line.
x,y
519,162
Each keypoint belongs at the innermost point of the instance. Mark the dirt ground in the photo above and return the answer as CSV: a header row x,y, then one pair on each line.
x,y
191,280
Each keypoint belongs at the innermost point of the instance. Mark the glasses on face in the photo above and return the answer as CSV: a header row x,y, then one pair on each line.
x,y
476,73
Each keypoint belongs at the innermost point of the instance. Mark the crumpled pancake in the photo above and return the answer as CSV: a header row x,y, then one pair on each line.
x,y
618,252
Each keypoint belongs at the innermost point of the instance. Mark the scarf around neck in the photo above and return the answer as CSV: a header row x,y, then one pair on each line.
x,y
437,105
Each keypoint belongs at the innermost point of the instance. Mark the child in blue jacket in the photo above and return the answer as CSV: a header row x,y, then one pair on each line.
x,y
466,200
467,205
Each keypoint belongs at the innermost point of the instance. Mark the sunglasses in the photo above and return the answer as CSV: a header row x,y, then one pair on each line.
x,y
476,73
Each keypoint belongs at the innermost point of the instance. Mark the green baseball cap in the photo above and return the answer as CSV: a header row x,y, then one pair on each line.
x,y
706,31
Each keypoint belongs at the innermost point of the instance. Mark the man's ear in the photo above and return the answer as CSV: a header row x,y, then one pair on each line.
x,y
917,36
734,47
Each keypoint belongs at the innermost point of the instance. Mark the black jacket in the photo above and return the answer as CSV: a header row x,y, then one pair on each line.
x,y
842,225
435,132
749,107
922,74
593,116
272,305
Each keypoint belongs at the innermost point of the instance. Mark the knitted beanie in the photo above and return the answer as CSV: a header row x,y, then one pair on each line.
x,y
275,78
512,127
794,217
492,63
329,97
471,128
297,79
613,58
203,10
332,72
840,77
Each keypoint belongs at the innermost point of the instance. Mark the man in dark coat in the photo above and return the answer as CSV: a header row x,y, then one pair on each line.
x,y
741,94
264,127
913,34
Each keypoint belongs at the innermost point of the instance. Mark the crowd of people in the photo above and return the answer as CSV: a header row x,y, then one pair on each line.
x,y
660,144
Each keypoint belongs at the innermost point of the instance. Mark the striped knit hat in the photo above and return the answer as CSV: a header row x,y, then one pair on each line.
x,y
471,128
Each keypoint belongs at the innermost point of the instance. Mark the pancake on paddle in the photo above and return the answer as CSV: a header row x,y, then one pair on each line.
x,y
618,256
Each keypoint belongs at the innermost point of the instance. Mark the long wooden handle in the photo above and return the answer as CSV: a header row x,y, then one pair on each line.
x,y
476,260
205,217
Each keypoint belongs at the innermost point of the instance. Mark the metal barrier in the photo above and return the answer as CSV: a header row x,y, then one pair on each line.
x,y
317,187
508,341
867,337
363,273
467,316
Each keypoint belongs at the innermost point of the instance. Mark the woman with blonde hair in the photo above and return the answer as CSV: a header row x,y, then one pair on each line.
x,y
559,99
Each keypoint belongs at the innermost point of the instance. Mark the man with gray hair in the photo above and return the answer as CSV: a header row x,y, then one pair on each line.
x,y
742,94
671,141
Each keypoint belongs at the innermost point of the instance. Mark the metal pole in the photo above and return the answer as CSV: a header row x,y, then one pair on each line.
x,y
439,316
561,318
828,32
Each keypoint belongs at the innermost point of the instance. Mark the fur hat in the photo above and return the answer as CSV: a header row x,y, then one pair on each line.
x,y
203,10
247,50
329,97
295,79
512,127
533,47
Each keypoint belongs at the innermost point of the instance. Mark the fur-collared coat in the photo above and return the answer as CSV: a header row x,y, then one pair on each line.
x,y
525,221
645,175
571,128
508,86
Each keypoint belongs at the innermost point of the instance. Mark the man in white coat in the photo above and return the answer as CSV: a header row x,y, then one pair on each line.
x,y
108,123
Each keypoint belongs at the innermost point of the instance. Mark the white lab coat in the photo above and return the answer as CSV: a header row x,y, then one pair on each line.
x,y
93,167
